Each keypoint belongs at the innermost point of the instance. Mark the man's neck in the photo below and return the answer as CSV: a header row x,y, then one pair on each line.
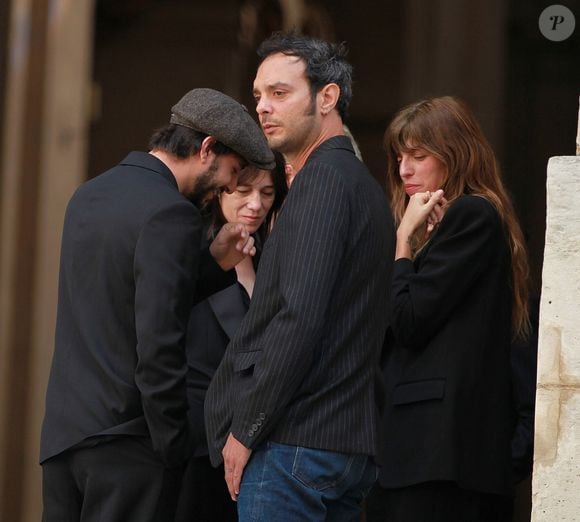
x,y
176,165
164,157
332,126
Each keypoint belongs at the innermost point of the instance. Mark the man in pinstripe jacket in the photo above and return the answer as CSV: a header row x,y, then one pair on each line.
x,y
292,409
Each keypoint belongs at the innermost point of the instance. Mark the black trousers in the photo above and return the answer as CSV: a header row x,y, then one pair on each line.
x,y
204,494
120,480
435,502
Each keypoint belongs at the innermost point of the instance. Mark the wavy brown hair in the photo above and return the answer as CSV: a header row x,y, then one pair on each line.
x,y
446,128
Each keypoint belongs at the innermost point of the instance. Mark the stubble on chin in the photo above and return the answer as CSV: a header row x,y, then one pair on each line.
x,y
196,198
274,144
203,190
278,142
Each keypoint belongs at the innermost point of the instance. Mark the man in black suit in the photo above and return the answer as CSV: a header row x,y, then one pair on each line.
x,y
115,434
296,389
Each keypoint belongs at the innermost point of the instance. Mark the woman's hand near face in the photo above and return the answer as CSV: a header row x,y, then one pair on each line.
x,y
423,208
435,216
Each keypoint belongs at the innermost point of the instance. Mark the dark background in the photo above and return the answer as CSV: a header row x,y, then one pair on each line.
x,y
523,87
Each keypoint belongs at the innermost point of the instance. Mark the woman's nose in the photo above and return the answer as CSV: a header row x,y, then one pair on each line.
x,y
254,201
405,167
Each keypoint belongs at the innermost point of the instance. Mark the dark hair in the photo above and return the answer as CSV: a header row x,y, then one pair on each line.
x,y
325,62
248,175
447,128
183,142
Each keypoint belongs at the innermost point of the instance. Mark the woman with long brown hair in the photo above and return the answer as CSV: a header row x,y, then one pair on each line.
x,y
459,297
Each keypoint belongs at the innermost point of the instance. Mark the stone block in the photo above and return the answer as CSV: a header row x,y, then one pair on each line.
x,y
556,481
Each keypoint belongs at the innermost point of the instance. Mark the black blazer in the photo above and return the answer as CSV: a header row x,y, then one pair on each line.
x,y
447,358
130,252
524,356
304,366
212,323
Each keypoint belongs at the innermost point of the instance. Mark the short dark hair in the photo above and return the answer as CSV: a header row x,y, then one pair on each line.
x,y
325,62
183,142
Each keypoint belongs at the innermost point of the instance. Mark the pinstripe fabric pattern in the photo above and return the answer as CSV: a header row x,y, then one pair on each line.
x,y
303,367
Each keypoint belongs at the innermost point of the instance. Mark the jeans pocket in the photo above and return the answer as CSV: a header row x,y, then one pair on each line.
x,y
369,478
321,469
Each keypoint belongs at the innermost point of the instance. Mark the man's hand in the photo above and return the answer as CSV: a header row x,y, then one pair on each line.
x,y
236,456
232,243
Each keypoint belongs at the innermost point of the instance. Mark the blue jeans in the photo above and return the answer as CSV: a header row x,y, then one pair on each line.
x,y
284,483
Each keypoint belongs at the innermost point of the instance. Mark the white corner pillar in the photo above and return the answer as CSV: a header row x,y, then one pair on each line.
x,y
556,480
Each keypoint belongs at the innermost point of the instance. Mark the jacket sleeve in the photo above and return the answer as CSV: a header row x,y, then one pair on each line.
x,y
166,259
212,277
310,252
424,297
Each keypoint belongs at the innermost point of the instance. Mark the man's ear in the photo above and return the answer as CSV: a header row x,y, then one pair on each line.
x,y
205,152
328,97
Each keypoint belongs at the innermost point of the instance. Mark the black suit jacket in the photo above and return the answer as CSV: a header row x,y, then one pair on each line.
x,y
212,323
524,356
447,366
303,367
130,252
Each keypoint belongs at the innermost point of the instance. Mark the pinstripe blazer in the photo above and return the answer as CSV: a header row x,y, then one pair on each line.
x,y
303,368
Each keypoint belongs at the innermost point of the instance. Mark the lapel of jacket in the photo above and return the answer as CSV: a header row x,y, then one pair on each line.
x,y
229,308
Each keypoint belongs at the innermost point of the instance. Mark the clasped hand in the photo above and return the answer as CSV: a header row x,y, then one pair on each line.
x,y
232,243
423,208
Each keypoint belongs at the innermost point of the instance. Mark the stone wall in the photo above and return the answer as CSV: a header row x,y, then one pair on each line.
x,y
556,483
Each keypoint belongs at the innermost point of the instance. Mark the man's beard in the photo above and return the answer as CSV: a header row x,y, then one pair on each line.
x,y
205,185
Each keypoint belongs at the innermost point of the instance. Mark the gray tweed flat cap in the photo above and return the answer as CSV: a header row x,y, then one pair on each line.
x,y
216,114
